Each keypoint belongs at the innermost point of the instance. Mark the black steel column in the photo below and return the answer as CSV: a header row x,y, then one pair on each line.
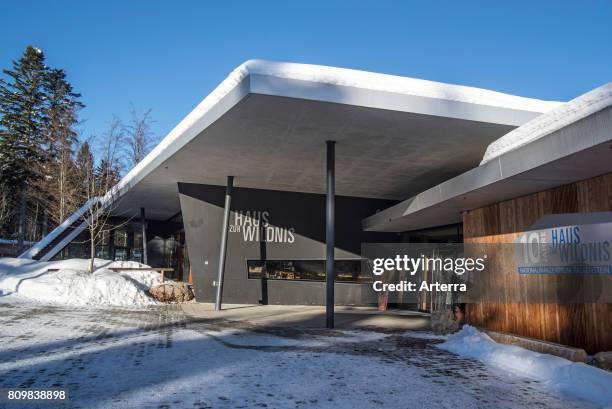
x,y
329,237
143,225
223,250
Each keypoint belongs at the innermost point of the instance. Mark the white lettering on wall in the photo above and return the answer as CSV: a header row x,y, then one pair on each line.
x,y
255,226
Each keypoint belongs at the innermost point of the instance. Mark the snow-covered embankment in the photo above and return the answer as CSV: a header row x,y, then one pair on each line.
x,y
571,378
69,282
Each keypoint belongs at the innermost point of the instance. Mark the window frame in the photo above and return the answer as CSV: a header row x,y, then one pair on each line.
x,y
360,259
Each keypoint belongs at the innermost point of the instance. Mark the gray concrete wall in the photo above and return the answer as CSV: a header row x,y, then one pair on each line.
x,y
301,214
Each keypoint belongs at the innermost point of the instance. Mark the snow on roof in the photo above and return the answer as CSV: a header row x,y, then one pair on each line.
x,y
545,124
389,83
339,77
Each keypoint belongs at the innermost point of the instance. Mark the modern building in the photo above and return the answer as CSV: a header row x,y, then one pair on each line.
x,y
414,160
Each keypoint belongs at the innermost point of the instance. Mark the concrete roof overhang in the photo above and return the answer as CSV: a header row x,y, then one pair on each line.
x,y
267,124
576,152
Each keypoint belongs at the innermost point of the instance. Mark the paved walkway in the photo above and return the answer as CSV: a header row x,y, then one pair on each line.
x,y
162,358
301,316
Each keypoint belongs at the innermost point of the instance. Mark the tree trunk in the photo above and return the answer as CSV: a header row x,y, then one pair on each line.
x,y
62,193
92,255
45,224
21,228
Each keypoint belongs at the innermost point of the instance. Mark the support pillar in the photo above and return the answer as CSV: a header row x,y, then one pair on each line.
x,y
329,236
223,249
143,224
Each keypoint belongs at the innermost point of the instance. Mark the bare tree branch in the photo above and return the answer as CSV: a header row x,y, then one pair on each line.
x,y
140,137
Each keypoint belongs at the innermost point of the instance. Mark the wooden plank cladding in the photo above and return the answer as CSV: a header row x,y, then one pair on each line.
x,y
584,325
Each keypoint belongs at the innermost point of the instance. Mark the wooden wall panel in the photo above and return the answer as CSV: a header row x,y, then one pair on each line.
x,y
588,326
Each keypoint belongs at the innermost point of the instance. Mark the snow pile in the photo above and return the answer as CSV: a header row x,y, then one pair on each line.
x,y
576,379
545,124
69,282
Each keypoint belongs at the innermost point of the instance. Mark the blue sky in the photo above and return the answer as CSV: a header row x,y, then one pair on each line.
x,y
168,55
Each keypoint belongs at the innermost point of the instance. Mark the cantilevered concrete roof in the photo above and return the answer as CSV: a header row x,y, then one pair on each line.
x,y
570,143
266,124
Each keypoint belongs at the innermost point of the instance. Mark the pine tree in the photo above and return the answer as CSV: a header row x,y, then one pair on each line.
x,y
38,109
107,175
22,137
84,169
59,193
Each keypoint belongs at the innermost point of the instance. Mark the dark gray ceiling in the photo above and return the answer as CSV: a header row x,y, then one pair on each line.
x,y
278,143
576,152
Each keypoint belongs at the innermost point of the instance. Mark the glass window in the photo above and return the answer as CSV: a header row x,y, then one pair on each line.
x,y
137,240
137,255
348,271
354,271
102,252
77,250
72,250
121,254
121,238
102,238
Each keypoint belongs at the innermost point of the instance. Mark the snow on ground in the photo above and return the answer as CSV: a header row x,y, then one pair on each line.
x,y
239,337
423,335
157,358
68,282
575,379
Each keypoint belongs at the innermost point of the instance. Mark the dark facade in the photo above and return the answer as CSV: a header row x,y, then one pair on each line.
x,y
276,245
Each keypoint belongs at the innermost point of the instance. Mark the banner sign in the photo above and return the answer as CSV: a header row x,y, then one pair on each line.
x,y
577,249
